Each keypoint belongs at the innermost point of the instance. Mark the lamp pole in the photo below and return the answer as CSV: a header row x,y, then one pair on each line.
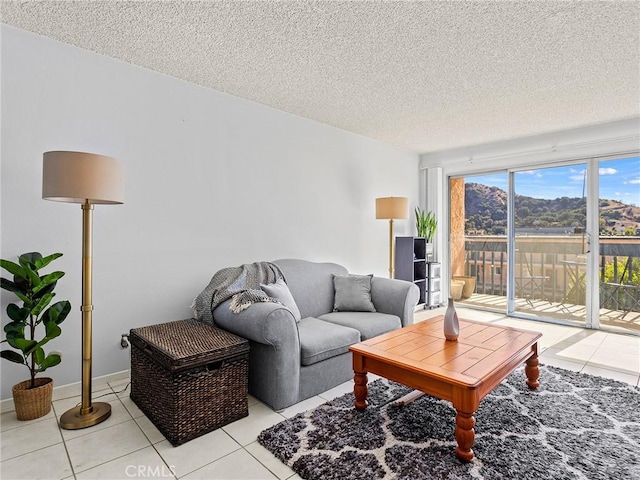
x,y
87,413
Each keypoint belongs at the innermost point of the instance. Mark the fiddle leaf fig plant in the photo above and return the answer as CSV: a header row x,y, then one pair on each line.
x,y
35,290
426,224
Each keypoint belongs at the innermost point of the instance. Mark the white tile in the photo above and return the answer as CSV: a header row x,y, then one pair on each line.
x,y
631,340
615,347
621,361
593,337
9,420
302,406
198,452
631,379
246,430
119,384
64,404
131,407
75,390
104,445
577,352
335,392
558,362
237,466
266,458
29,438
145,463
45,464
149,429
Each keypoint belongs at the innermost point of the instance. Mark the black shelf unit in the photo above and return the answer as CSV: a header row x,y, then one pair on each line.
x,y
413,264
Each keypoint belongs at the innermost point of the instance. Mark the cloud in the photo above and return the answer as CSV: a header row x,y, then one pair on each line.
x,y
635,181
576,178
607,171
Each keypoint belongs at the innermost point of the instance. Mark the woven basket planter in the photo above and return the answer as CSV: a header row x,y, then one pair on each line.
x,y
34,402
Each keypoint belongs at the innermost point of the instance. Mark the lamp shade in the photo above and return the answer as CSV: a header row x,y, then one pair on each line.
x,y
79,177
392,207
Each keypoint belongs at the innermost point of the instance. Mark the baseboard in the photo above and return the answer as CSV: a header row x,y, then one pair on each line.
x,y
74,389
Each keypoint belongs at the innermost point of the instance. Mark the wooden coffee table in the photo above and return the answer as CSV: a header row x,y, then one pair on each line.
x,y
462,372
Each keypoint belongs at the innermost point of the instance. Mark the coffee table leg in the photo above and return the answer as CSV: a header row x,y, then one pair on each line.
x,y
531,369
360,390
465,435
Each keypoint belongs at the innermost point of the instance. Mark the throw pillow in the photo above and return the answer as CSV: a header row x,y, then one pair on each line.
x,y
281,292
352,293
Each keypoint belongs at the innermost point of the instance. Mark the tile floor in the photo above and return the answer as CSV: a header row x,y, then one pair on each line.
x,y
128,446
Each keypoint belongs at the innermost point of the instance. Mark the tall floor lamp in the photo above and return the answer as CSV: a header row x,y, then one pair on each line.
x,y
88,179
392,208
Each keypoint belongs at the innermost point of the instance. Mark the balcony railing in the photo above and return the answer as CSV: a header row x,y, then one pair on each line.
x,y
553,269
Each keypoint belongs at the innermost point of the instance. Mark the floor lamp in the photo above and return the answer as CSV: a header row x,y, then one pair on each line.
x,y
87,179
392,208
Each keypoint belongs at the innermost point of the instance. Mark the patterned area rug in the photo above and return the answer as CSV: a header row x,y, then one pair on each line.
x,y
575,426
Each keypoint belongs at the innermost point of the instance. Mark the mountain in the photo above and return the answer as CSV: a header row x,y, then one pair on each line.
x,y
486,213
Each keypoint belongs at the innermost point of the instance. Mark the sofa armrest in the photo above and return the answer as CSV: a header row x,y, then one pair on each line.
x,y
395,297
274,355
263,322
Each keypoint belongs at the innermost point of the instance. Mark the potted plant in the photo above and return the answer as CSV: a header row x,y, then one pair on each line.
x,y
426,224
32,397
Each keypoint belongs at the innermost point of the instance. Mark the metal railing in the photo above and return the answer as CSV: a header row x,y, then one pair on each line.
x,y
553,268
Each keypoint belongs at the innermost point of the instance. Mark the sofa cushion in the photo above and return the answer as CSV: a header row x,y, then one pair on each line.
x,y
311,284
352,293
368,324
321,340
281,292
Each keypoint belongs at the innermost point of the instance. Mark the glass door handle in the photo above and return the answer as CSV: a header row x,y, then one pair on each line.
x,y
586,248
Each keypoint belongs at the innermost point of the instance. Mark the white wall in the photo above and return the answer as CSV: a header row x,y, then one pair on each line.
x,y
211,181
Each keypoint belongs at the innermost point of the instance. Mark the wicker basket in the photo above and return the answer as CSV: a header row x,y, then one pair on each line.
x,y
35,402
189,378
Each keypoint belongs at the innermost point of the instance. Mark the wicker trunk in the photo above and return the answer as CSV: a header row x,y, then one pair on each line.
x,y
189,378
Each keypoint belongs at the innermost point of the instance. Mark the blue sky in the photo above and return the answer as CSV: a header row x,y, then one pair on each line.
x,y
619,180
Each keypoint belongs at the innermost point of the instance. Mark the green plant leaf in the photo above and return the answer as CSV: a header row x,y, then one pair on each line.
x,y
28,303
30,259
16,313
38,354
10,286
52,329
57,312
49,279
12,356
13,268
43,262
47,289
51,360
33,276
42,304
26,346
15,329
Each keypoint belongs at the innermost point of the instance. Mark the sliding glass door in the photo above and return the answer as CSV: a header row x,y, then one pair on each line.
x,y
550,242
619,243
520,241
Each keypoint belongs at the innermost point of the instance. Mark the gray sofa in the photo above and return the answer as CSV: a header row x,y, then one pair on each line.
x,y
293,360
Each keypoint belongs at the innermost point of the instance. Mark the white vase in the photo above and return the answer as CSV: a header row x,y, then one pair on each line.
x,y
451,325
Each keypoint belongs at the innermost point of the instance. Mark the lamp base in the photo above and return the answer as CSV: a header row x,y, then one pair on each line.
x,y
73,420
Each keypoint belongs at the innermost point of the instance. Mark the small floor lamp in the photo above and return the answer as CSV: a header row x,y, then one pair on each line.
x,y
88,179
392,207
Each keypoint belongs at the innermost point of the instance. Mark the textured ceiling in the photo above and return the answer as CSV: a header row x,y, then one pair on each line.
x,y
425,76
